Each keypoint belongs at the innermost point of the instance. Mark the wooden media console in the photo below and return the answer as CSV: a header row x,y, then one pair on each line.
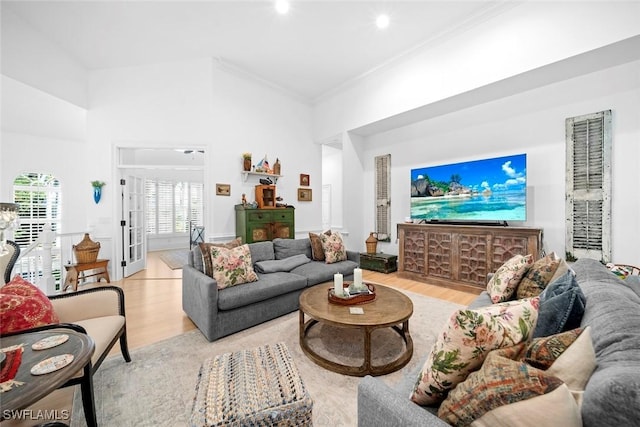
x,y
461,256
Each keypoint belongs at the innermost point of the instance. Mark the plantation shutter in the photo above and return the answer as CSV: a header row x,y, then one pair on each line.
x,y
151,211
39,199
196,203
588,186
172,206
383,197
165,215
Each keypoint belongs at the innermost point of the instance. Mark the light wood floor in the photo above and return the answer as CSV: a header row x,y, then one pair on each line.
x,y
153,304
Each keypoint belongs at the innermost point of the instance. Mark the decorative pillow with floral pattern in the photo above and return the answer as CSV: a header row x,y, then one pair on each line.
x,y
505,281
232,266
333,247
205,249
465,342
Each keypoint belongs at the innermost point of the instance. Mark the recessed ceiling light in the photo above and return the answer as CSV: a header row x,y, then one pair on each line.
x,y
282,6
382,21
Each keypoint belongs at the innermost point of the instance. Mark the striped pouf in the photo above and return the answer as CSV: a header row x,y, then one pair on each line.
x,y
258,387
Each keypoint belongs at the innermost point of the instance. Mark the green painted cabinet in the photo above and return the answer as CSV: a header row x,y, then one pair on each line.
x,y
259,225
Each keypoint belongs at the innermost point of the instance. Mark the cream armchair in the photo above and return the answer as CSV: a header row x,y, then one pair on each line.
x,y
8,260
98,312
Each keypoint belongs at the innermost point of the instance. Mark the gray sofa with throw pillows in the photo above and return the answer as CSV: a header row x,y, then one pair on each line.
x,y
228,288
569,356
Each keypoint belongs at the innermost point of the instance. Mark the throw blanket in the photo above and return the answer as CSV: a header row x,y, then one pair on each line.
x,y
286,264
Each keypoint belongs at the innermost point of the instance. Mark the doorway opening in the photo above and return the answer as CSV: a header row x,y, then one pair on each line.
x,y
161,199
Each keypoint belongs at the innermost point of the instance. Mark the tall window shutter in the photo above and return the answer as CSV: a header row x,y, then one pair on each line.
x,y
38,197
588,187
383,197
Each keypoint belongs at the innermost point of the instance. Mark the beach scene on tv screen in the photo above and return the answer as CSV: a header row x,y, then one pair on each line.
x,y
480,190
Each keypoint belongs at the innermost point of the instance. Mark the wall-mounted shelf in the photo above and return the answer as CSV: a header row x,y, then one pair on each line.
x,y
245,175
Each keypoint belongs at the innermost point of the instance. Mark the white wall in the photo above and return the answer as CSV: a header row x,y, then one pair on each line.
x,y
195,104
332,175
42,133
530,122
522,38
39,62
251,117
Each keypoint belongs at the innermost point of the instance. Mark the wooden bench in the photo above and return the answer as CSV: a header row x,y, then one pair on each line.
x,y
76,273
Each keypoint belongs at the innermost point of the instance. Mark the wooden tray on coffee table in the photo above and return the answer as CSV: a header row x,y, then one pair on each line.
x,y
355,299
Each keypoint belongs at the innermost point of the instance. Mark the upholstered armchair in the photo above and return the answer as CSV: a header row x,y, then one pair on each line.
x,y
98,312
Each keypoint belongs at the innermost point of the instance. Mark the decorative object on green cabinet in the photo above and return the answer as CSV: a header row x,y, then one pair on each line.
x,y
258,225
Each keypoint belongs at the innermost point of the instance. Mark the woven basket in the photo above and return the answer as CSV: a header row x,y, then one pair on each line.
x,y
87,250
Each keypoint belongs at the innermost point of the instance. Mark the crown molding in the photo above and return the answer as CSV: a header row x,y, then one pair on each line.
x,y
238,71
462,27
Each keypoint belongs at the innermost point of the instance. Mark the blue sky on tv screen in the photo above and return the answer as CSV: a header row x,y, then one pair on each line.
x,y
499,173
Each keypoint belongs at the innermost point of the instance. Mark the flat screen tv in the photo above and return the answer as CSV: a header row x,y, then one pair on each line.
x,y
485,191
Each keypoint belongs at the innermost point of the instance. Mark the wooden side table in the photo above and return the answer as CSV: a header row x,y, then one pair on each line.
x,y
76,272
35,387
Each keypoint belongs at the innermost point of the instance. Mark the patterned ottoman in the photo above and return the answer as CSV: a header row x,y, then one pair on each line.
x,y
259,387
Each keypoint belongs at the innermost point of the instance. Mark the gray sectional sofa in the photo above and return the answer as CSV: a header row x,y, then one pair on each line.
x,y
612,395
220,312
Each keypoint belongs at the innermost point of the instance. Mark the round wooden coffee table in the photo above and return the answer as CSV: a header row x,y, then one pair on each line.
x,y
391,309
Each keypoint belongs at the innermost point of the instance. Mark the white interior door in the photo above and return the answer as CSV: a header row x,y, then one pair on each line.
x,y
133,228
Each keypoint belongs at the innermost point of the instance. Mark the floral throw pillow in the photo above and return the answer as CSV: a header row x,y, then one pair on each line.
x,y
505,281
333,247
465,342
538,276
232,266
205,249
24,306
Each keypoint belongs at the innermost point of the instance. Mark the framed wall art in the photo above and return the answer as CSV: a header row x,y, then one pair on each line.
x,y
223,189
304,180
304,194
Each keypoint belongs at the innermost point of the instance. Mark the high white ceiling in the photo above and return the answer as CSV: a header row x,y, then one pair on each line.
x,y
317,47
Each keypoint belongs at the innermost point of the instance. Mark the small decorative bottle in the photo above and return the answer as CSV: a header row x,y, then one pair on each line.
x,y
276,167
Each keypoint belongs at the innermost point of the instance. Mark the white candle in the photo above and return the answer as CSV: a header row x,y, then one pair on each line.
x,y
357,277
337,284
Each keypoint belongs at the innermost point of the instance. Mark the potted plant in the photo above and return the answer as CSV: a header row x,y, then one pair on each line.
x,y
97,190
247,161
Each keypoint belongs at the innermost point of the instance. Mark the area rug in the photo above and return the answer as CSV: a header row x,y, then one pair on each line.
x,y
175,259
158,387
